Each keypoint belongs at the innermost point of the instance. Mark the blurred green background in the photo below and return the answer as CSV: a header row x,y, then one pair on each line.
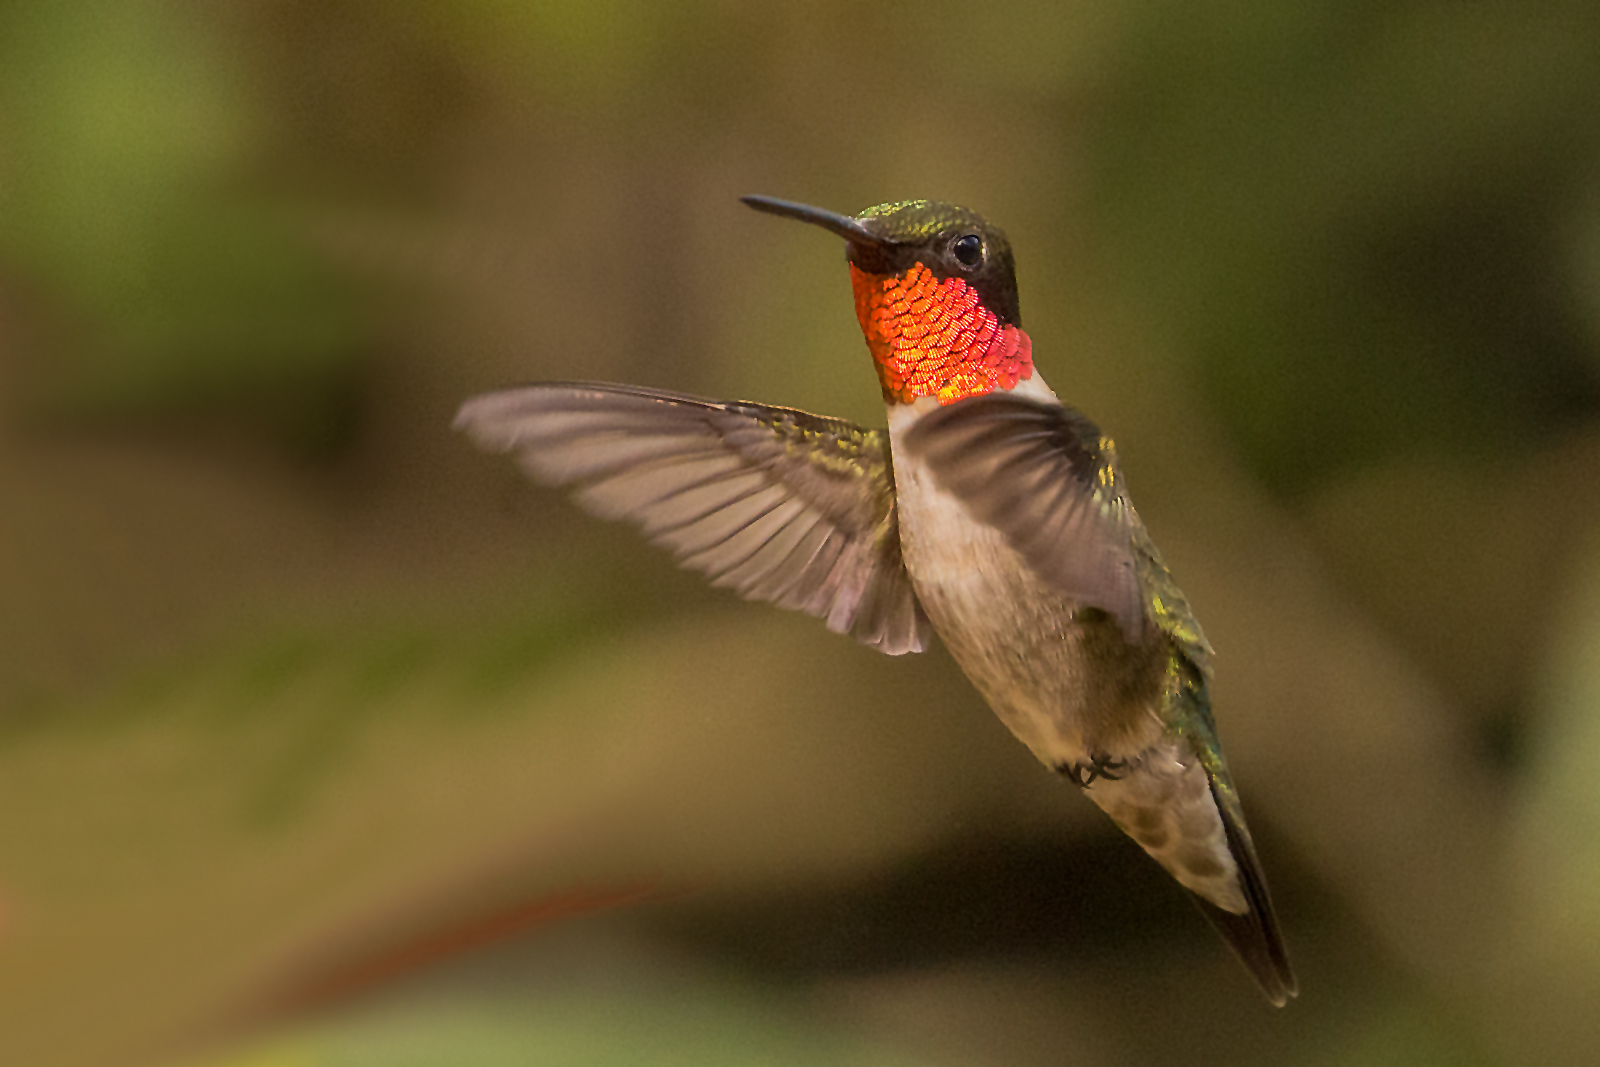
x,y
308,711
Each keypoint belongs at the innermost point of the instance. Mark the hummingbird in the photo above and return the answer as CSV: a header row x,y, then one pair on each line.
x,y
988,513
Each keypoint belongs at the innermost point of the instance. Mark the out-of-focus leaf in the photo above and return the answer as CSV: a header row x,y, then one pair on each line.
x,y
125,202
694,1023
1352,225
1551,962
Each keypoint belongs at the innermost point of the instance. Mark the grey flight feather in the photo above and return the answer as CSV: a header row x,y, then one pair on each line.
x,y
781,506
1045,477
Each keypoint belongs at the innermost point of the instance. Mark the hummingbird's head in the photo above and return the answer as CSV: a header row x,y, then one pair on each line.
x,y
936,294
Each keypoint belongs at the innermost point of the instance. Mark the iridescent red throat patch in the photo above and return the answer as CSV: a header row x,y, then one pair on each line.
x,y
933,337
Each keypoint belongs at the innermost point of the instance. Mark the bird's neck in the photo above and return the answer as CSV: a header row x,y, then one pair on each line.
x,y
932,337
905,414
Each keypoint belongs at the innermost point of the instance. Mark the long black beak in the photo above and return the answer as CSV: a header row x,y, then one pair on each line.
x,y
849,228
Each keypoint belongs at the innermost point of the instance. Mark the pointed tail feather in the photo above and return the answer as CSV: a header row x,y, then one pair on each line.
x,y
1253,936
1183,811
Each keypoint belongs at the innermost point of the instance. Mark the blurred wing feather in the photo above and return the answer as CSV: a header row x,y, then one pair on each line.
x,y
779,505
1046,477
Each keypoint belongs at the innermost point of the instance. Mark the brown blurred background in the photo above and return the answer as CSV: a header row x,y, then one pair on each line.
x,y
297,690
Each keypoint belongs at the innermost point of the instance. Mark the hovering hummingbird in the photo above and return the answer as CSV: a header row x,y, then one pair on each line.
x,y
989,513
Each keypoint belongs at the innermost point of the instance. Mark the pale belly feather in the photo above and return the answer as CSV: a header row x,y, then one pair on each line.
x,y
1065,682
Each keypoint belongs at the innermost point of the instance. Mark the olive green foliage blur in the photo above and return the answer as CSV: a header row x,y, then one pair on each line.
x,y
295,685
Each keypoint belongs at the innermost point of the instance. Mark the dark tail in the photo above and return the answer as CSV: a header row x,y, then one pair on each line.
x,y
1253,936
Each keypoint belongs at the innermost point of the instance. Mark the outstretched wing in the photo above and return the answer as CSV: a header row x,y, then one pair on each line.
x,y
779,505
1045,477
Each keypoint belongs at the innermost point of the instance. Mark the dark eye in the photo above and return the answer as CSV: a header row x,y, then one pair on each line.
x,y
968,249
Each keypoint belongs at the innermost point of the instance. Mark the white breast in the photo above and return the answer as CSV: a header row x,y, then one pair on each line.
x,y
1012,636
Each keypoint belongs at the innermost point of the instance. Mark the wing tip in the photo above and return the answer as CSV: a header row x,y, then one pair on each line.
x,y
466,414
485,418
472,420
